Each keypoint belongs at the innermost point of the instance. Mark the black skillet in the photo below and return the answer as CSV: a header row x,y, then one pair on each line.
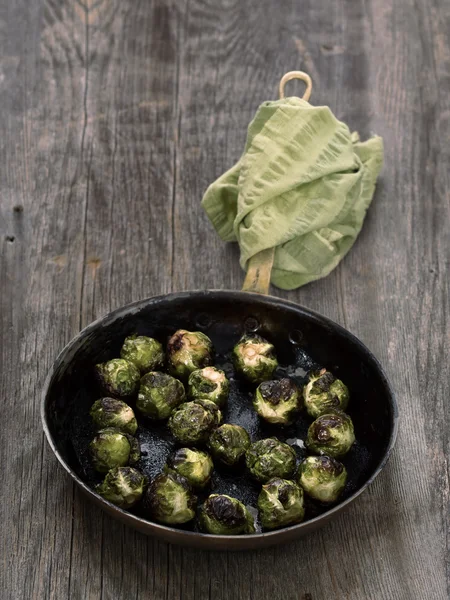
x,y
303,340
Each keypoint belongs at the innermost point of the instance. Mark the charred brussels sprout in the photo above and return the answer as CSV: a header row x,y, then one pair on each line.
x,y
144,352
123,486
277,402
223,515
111,412
331,434
188,351
118,377
324,393
213,410
170,500
209,384
280,504
159,394
254,358
270,458
195,465
228,443
322,477
193,422
112,448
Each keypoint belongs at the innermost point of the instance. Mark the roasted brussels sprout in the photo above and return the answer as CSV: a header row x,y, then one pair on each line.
x,y
118,377
188,351
111,412
169,499
223,515
322,477
123,486
144,352
254,358
280,504
324,394
209,384
195,465
228,443
331,434
112,448
193,422
277,402
270,458
159,394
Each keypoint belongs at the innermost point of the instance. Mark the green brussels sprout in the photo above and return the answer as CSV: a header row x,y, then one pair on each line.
x,y
322,477
111,412
228,443
195,465
113,448
123,486
223,515
118,377
277,402
193,422
212,409
170,500
188,351
254,358
144,352
159,394
280,504
324,393
331,434
270,458
209,384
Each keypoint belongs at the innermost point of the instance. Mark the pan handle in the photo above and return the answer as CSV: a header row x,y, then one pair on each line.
x,y
258,272
260,266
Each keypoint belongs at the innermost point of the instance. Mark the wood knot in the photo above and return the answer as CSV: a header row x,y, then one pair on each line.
x,y
93,263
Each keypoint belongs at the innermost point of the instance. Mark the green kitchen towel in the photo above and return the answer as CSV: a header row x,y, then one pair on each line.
x,y
303,185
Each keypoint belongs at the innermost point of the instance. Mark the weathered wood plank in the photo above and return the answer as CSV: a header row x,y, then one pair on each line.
x,y
115,117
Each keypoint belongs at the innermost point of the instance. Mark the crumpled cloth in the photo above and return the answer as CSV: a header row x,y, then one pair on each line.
x,y
303,185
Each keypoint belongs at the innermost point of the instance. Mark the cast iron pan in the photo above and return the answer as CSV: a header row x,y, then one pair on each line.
x,y
303,340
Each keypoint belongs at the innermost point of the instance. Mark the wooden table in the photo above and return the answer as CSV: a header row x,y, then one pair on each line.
x,y
115,116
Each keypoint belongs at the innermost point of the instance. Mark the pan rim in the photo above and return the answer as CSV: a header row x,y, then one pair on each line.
x,y
159,529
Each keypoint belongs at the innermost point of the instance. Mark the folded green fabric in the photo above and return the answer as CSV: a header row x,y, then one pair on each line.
x,y
303,185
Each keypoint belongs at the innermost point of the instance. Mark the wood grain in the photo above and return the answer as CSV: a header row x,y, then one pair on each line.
x,y
115,117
